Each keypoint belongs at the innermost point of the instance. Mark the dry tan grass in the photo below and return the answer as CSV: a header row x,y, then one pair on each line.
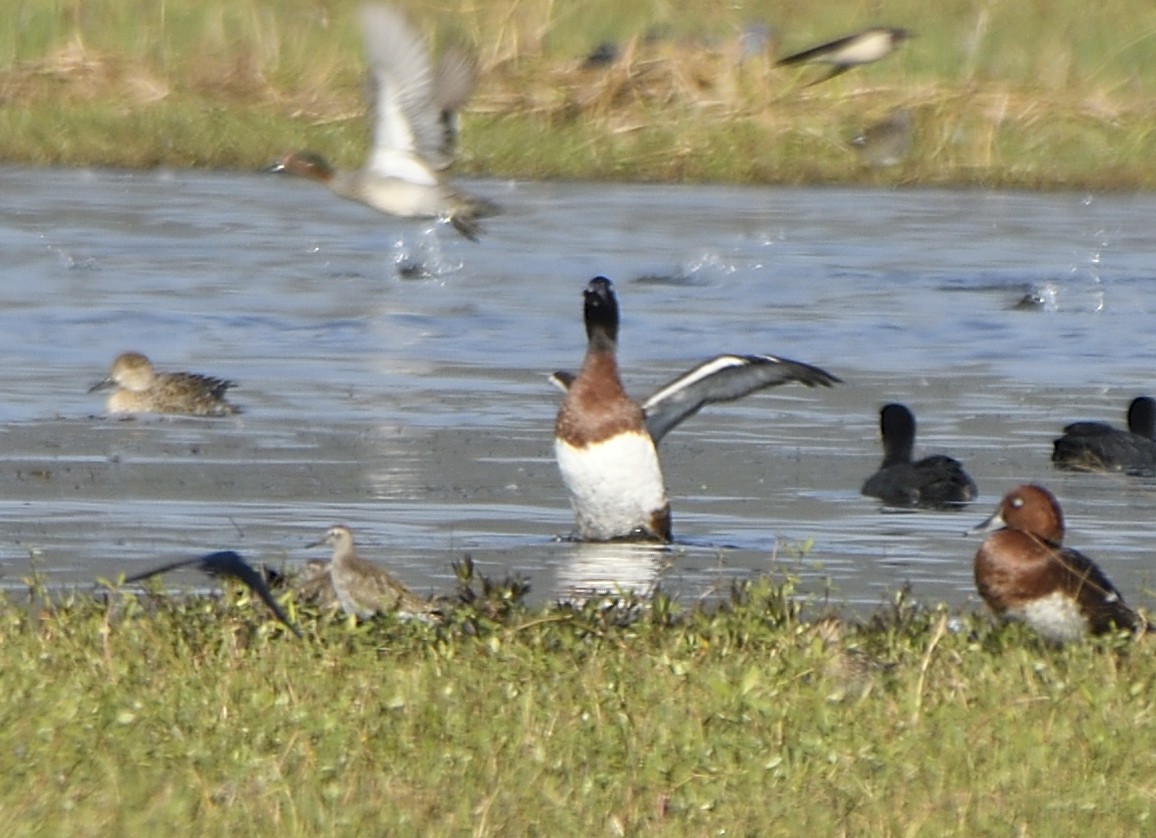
x,y
674,104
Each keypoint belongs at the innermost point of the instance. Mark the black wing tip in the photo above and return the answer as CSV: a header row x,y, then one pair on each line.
x,y
157,571
815,377
807,374
835,71
829,380
561,379
817,50
807,54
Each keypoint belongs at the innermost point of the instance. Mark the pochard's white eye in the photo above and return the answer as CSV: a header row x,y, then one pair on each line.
x,y
1017,502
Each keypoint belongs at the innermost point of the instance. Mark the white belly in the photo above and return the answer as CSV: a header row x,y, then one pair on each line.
x,y
615,486
406,200
1055,616
869,48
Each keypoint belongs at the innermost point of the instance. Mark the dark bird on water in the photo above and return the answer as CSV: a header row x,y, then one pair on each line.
x,y
938,481
1097,446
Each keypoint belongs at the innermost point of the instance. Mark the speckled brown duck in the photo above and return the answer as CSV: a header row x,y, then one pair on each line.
x,y
142,389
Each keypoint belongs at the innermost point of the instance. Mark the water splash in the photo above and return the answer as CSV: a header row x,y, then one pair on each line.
x,y
1043,296
424,258
700,269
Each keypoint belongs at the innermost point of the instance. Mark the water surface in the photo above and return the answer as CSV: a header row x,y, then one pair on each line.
x,y
393,375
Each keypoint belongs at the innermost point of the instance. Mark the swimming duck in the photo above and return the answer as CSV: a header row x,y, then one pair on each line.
x,y
226,564
141,389
1096,446
413,105
363,588
1023,572
605,442
937,482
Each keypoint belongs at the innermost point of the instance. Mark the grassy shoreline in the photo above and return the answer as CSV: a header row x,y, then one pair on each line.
x,y
128,714
132,714
1000,95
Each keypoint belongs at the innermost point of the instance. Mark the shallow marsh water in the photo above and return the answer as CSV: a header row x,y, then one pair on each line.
x,y
393,375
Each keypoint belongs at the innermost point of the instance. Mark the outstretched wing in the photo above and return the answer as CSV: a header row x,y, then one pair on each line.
x,y
723,379
229,563
406,122
226,563
165,568
455,75
818,51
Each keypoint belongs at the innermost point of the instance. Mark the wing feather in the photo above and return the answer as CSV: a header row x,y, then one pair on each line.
x,y
723,379
406,122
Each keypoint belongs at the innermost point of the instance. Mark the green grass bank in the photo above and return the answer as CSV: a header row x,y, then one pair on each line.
x,y
1000,93
134,715
141,715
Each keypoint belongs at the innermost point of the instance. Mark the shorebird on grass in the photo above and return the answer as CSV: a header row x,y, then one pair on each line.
x,y
364,589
